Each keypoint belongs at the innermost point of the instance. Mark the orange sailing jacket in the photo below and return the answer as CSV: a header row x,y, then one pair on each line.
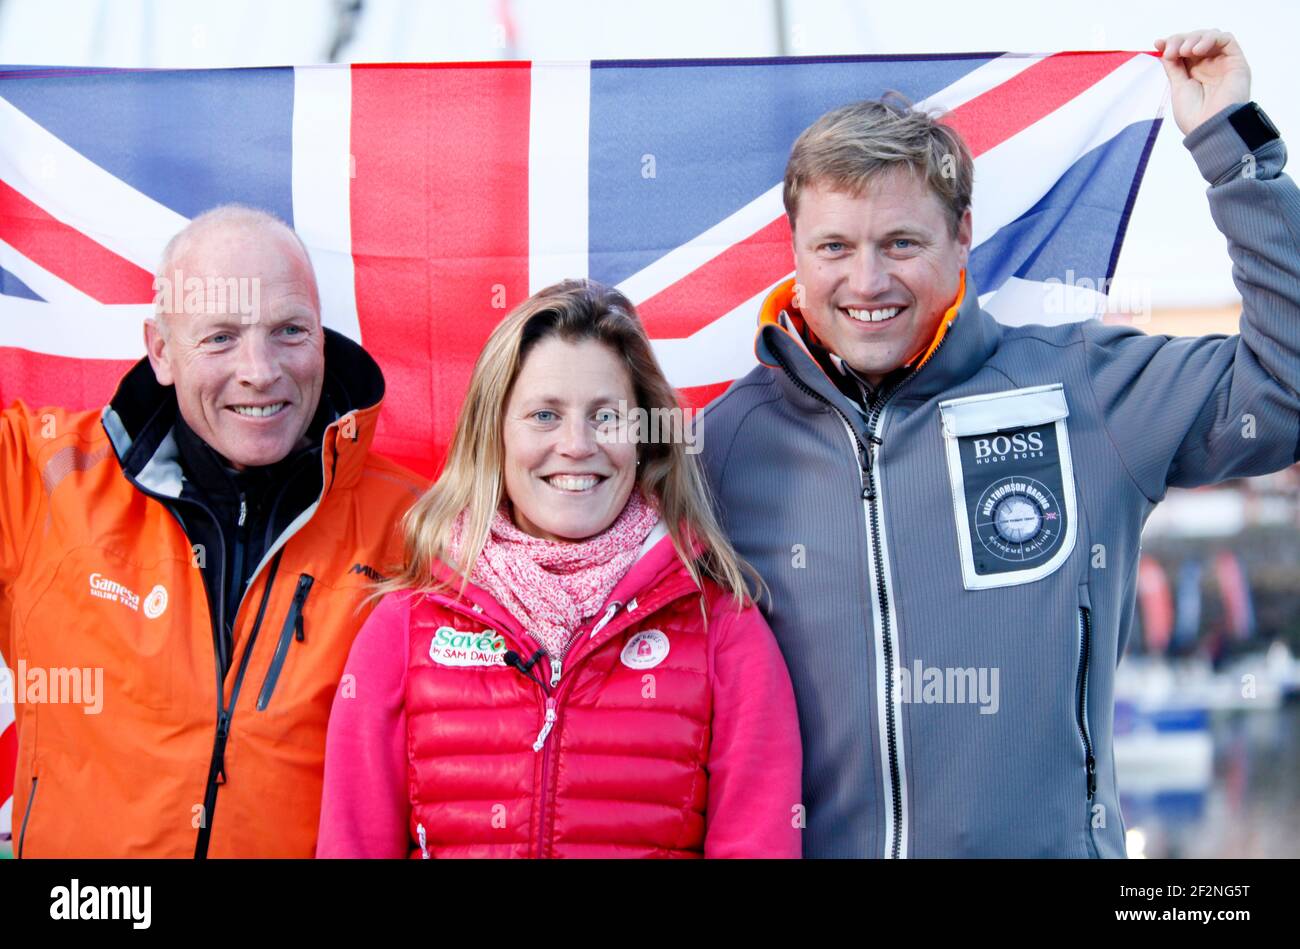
x,y
123,747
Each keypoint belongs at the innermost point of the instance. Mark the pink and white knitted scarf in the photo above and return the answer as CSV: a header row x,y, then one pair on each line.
x,y
551,586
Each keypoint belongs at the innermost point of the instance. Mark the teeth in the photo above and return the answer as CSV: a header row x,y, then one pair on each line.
x,y
874,316
573,482
259,411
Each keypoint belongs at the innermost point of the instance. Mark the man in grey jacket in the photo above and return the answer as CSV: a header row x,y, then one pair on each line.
x,y
948,510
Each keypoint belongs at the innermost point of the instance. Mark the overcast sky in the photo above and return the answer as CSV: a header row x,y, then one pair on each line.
x,y
1172,246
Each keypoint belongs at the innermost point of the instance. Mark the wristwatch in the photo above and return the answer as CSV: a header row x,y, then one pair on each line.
x,y
1254,126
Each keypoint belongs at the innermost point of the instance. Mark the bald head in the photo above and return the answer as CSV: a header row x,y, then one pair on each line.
x,y
237,331
212,247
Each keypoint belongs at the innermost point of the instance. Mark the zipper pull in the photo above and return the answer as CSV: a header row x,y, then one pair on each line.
x,y
299,601
557,666
546,728
424,849
1092,777
223,733
243,510
609,615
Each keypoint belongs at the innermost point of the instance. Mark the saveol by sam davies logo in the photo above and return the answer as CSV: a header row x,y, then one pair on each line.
x,y
454,647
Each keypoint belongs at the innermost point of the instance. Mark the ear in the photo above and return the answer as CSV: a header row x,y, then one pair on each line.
x,y
964,231
156,349
794,252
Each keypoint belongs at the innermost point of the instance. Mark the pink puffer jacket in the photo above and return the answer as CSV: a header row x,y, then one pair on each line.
x,y
659,734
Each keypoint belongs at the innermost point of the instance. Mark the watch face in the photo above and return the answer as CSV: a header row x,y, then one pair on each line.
x,y
1254,127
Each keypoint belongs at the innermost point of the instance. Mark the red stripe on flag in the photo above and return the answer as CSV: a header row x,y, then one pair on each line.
x,y
8,760
1011,107
69,254
721,285
40,379
439,234
759,261
697,397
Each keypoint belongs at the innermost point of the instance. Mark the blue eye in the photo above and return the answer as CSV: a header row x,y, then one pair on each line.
x,y
219,338
545,415
904,243
833,247
605,416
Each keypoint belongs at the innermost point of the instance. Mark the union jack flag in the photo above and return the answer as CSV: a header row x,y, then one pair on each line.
x,y
435,197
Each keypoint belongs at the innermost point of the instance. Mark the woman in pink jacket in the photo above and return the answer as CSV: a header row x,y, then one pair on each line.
x,y
569,662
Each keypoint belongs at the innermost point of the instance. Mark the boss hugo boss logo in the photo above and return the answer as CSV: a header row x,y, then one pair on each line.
x,y
1012,483
996,449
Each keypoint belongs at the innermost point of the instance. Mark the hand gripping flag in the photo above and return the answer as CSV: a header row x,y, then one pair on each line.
x,y
434,198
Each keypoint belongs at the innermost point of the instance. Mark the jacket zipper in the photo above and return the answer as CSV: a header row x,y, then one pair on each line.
x,y
552,716
871,499
876,415
27,813
1081,687
552,700
217,764
293,629
557,662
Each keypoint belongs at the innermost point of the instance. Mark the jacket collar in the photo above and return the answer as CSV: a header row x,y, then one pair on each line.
x,y
141,420
964,341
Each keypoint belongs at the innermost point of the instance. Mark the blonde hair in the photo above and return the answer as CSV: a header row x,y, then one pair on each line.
x,y
472,480
849,147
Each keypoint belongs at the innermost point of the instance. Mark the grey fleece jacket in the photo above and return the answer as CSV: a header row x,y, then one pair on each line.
x,y
953,566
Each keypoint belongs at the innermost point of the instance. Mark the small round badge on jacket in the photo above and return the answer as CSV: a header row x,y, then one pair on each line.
x,y
645,650
156,602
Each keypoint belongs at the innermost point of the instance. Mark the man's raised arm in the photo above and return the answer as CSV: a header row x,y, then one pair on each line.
x,y
1190,411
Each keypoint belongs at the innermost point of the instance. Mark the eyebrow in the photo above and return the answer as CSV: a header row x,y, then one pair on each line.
x,y
231,321
820,237
554,401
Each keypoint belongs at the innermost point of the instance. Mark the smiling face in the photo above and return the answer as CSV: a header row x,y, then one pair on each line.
x,y
565,483
248,389
878,270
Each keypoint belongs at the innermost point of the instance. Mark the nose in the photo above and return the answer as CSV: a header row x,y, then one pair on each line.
x,y
577,438
257,366
869,276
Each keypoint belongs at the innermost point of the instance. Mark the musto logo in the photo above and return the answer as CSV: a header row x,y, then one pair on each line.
x,y
106,589
452,647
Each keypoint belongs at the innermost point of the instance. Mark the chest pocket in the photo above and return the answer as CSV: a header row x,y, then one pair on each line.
x,y
1012,484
